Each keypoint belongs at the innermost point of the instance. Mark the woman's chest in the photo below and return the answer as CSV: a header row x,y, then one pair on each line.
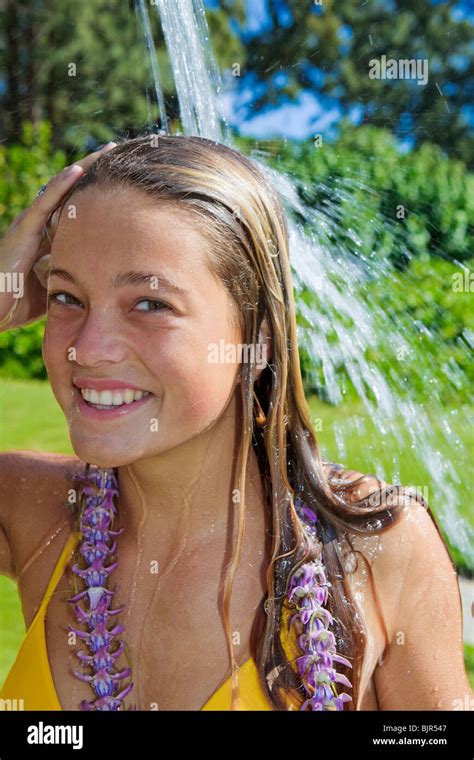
x,y
174,638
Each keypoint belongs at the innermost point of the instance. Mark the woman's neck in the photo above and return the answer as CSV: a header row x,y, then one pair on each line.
x,y
186,495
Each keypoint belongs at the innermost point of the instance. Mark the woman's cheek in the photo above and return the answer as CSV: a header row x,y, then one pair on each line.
x,y
55,351
51,350
209,392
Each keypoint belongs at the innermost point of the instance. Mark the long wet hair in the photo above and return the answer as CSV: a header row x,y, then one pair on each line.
x,y
234,205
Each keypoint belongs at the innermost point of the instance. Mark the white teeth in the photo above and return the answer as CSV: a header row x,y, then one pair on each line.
x,y
112,398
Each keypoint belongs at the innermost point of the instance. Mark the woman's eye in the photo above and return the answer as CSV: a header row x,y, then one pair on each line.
x,y
63,298
153,305
146,304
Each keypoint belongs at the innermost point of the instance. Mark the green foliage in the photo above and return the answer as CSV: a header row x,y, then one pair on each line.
x,y
24,166
86,68
386,203
469,660
435,325
20,352
423,297
356,187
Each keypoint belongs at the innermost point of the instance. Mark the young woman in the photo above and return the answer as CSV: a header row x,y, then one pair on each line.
x,y
208,558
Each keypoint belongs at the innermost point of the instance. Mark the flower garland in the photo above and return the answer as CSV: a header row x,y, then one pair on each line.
x,y
308,592
99,488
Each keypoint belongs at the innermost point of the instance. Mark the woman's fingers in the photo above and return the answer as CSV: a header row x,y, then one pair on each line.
x,y
36,215
88,160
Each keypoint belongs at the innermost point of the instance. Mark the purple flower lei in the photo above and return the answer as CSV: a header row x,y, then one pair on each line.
x,y
99,489
308,592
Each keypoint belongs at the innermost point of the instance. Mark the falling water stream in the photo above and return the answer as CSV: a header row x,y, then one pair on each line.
x,y
344,325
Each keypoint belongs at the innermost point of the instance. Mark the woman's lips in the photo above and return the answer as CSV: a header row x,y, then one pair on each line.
x,y
94,413
104,384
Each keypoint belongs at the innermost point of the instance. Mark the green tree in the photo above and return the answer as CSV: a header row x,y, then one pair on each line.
x,y
84,67
327,48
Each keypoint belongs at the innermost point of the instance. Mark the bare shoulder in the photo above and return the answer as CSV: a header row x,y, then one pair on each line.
x,y
34,490
410,551
420,597
414,565
417,593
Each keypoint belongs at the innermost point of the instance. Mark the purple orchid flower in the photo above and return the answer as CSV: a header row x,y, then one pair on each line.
x,y
98,545
308,592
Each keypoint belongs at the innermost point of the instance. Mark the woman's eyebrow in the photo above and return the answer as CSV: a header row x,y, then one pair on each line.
x,y
132,277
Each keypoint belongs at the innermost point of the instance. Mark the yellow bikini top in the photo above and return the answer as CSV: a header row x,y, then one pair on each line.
x,y
29,684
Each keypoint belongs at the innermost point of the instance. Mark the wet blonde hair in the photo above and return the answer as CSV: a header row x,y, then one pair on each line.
x,y
235,207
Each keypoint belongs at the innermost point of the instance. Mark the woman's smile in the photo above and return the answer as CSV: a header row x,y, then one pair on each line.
x,y
105,398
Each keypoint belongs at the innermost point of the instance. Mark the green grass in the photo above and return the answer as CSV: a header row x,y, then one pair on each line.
x,y
30,418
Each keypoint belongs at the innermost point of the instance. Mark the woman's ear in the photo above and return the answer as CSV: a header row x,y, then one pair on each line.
x,y
263,348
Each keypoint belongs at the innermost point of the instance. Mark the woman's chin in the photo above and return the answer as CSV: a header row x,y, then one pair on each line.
x,y
104,455
105,462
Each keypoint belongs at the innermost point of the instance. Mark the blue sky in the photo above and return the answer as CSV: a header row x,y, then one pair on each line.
x,y
295,120
298,120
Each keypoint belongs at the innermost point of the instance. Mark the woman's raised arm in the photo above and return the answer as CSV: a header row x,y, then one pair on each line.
x,y
22,296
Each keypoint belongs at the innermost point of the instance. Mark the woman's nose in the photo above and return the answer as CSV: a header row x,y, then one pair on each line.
x,y
99,340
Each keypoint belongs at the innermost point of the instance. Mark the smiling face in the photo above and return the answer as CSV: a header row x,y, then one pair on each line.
x,y
133,308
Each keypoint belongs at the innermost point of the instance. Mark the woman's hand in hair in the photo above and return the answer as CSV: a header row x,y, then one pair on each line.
x,y
22,277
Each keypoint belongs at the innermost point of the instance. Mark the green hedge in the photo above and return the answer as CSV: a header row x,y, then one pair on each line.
x,y
364,179
20,352
409,217
434,322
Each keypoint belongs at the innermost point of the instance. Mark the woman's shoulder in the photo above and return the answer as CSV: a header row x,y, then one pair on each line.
x,y
35,491
398,514
403,543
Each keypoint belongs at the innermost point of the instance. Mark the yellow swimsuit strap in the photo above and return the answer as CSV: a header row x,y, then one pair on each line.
x,y
59,569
